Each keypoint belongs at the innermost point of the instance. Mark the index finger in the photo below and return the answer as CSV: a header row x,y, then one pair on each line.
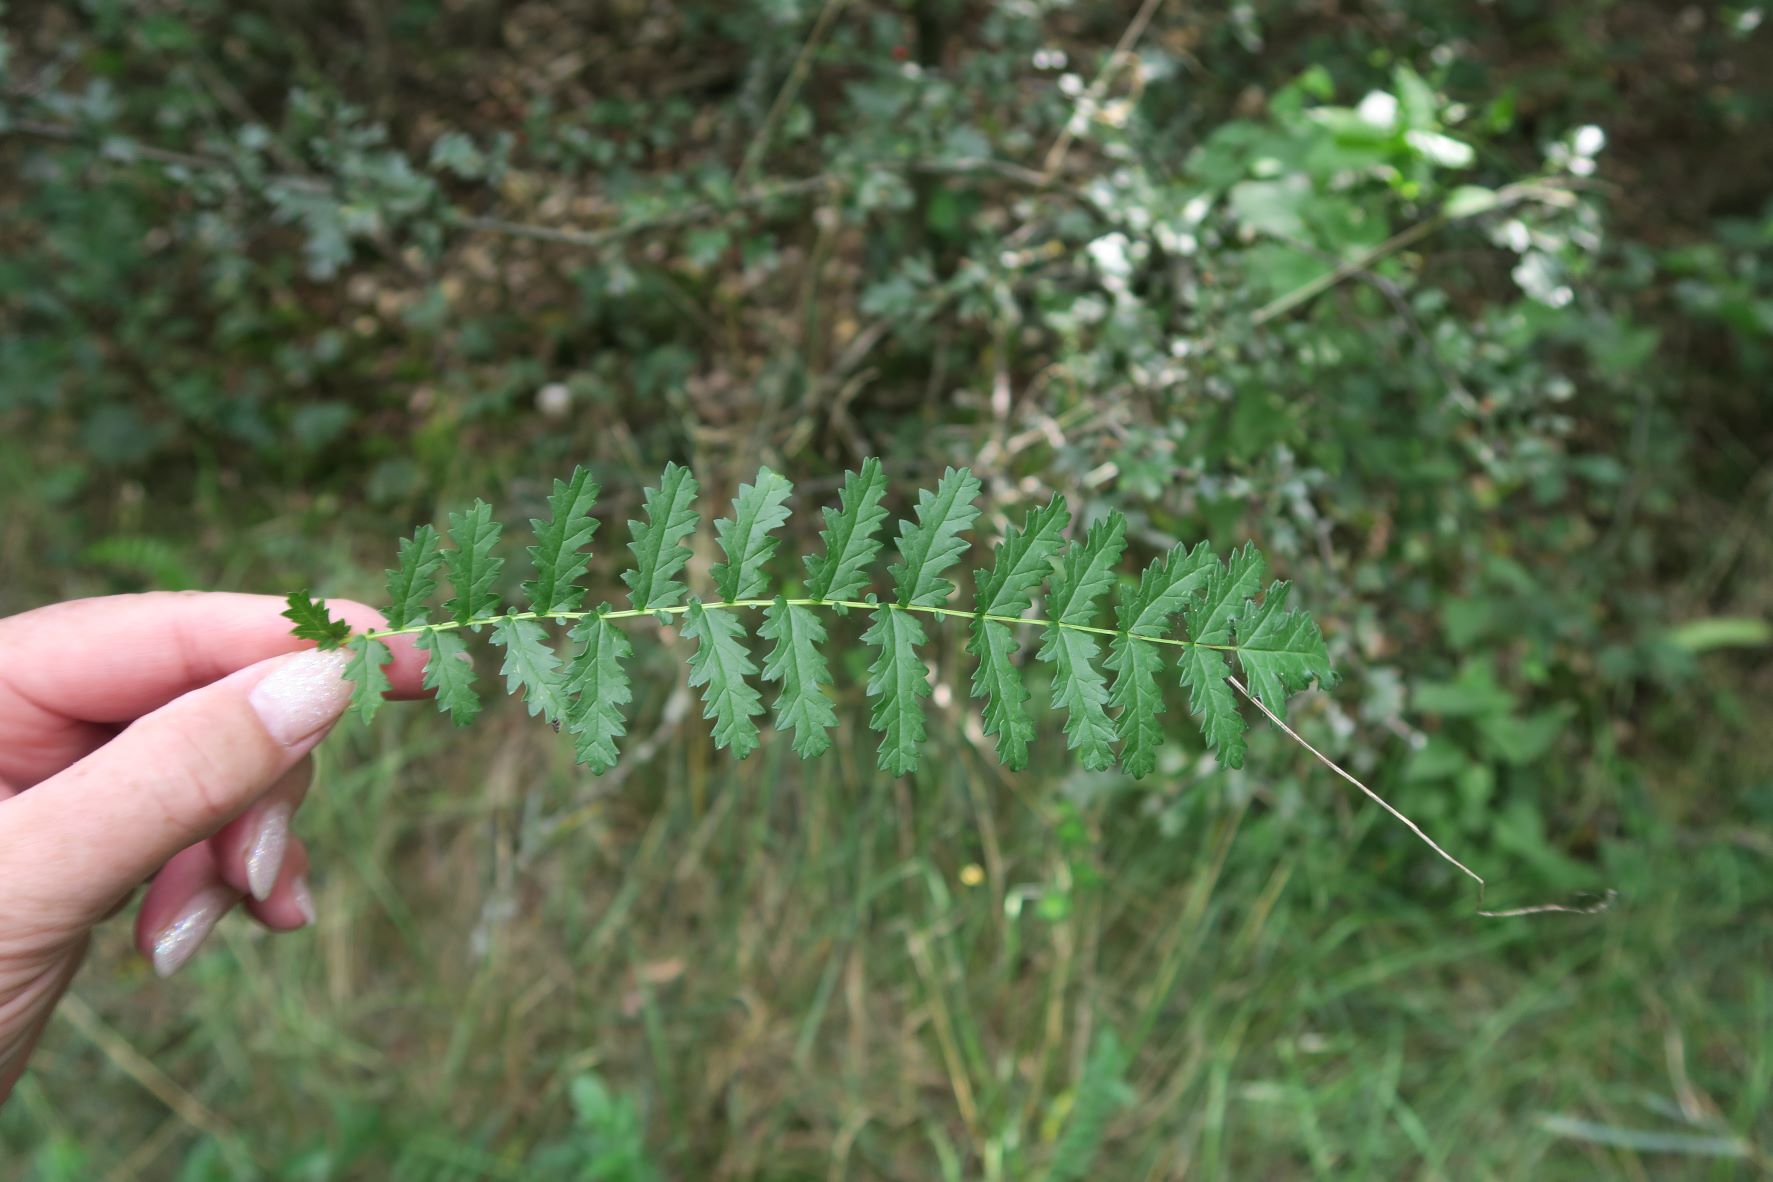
x,y
71,672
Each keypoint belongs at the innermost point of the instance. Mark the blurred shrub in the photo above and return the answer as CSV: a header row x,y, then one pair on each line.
x,y
1354,289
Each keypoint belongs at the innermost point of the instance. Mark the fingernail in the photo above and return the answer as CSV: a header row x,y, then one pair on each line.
x,y
305,693
304,899
179,941
265,857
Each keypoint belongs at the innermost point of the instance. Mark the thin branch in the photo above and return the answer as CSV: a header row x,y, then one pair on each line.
x,y
1602,904
797,74
1056,154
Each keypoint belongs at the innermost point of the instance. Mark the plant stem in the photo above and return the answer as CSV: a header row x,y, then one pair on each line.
x,y
633,613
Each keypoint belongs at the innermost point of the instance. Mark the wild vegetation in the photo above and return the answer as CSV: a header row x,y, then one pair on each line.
x,y
1459,313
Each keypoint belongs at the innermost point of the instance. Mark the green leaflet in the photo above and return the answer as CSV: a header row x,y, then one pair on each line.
x,y
531,666
720,666
659,554
851,536
796,663
747,538
1022,563
367,675
1139,701
313,622
897,681
411,584
1081,692
559,555
1227,588
1281,651
934,543
1210,699
1086,573
598,687
450,674
997,680
1164,588
473,568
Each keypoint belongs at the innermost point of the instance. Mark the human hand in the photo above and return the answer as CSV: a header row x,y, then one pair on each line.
x,y
165,736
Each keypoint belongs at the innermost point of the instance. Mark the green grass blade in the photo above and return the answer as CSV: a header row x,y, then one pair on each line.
x,y
719,666
748,537
851,536
559,555
798,664
657,543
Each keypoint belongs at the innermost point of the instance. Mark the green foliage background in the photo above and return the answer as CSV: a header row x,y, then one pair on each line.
x,y
1461,312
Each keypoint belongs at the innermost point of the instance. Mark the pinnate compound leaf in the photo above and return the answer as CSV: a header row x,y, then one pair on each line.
x,y
559,555
936,540
1211,700
532,667
473,567
851,536
313,622
411,584
797,663
897,681
598,681
748,536
719,666
366,672
659,554
449,673
1281,651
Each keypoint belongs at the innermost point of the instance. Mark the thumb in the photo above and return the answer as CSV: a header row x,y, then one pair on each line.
x,y
78,841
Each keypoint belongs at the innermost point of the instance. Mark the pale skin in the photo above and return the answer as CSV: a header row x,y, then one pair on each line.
x,y
160,739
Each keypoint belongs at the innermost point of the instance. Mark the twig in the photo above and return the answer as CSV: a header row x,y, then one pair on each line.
x,y
790,87
1603,904
1056,154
